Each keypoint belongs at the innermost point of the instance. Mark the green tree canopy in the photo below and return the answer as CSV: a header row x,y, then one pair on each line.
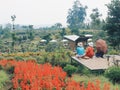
x,y
76,17
95,17
58,25
113,23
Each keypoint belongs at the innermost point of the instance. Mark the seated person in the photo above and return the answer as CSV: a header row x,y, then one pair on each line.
x,y
80,50
101,48
89,50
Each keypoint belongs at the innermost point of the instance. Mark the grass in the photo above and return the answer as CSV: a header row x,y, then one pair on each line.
x,y
3,78
93,78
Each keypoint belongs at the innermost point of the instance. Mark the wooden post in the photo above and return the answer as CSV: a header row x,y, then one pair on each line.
x,y
117,62
108,59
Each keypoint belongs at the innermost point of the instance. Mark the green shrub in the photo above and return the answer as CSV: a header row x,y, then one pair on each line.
x,y
51,47
70,69
3,78
83,70
63,64
113,74
113,52
10,58
0,67
8,68
1,57
19,58
39,59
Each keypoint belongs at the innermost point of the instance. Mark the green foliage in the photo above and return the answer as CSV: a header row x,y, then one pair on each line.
x,y
8,68
0,67
51,47
47,37
113,23
6,33
95,16
82,69
59,57
3,78
70,69
76,17
31,35
63,32
114,52
63,63
31,58
58,26
10,58
39,59
30,27
113,73
14,37
19,58
1,57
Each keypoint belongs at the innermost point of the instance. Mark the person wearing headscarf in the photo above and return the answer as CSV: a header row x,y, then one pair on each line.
x,y
101,48
80,50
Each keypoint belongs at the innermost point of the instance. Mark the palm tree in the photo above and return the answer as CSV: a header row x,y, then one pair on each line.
x,y
13,20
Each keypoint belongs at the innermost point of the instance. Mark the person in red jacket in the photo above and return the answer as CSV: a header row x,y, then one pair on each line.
x,y
90,50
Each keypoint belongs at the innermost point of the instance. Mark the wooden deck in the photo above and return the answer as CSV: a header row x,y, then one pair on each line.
x,y
96,63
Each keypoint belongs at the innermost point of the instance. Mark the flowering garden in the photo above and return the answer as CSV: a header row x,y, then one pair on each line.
x,y
29,75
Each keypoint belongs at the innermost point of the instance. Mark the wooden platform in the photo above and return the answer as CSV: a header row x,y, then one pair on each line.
x,y
96,63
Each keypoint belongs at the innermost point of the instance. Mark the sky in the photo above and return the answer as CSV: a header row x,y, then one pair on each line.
x,y
44,12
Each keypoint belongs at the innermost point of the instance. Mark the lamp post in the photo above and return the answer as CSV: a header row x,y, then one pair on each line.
x,y
13,20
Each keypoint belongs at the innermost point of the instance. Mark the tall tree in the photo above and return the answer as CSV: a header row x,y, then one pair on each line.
x,y
47,37
113,23
63,32
76,17
95,17
30,27
14,40
31,35
58,25
13,20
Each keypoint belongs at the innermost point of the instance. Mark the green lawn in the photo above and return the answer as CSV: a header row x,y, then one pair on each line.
x,y
92,78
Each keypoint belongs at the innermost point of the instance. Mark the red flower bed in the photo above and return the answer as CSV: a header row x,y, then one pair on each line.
x,y
32,76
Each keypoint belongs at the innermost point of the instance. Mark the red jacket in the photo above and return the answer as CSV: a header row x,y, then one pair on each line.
x,y
89,51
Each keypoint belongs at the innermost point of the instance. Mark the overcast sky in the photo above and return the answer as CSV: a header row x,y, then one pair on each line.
x,y
43,12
